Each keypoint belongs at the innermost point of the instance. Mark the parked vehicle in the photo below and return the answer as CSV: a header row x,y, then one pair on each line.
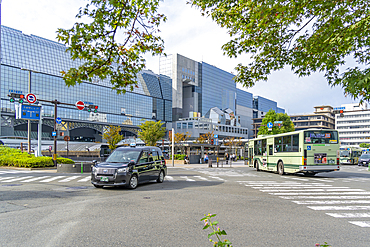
x,y
364,160
129,166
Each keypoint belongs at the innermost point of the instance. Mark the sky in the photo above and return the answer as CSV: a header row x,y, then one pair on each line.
x,y
188,33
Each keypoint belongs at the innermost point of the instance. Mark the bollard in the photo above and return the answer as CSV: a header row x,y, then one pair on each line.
x,y
82,167
210,163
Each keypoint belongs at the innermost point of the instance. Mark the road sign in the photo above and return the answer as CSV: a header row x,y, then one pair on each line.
x,y
54,133
80,105
30,112
269,125
278,122
216,136
67,138
58,120
31,98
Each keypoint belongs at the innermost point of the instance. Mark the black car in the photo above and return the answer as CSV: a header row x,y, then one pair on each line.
x,y
129,166
364,160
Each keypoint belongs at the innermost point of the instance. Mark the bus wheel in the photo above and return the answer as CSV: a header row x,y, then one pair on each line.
x,y
280,168
257,166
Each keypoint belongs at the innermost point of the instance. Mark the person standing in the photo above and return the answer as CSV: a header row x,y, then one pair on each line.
x,y
227,158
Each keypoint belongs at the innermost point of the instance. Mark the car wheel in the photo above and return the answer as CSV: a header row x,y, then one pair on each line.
x,y
280,168
132,184
160,177
98,186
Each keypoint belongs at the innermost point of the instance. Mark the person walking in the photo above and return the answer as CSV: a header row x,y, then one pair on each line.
x,y
206,158
227,158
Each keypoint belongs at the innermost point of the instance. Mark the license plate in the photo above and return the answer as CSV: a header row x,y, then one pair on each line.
x,y
104,179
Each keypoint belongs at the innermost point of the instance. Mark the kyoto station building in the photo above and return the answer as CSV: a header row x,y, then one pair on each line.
x,y
32,65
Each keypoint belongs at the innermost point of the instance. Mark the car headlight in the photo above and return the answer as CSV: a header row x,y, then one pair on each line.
x,y
121,170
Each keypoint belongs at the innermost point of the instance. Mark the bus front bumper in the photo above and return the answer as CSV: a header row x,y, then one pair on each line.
x,y
319,168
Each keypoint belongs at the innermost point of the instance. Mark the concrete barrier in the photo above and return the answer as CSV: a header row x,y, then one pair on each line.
x,y
75,168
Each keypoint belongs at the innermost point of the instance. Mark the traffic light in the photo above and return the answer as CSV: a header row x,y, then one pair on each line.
x,y
211,141
92,108
14,96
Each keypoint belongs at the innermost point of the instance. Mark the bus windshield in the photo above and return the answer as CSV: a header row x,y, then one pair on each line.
x,y
344,153
320,136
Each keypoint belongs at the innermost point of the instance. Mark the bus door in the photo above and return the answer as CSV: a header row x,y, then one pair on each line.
x,y
250,157
269,153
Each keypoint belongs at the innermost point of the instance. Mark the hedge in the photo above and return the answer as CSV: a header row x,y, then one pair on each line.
x,y
16,158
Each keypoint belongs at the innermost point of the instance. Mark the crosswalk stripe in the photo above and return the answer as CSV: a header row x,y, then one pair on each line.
x,y
296,187
313,190
51,179
86,179
349,215
324,197
16,179
188,179
322,193
200,177
361,223
169,178
332,202
339,207
6,178
68,179
34,179
218,178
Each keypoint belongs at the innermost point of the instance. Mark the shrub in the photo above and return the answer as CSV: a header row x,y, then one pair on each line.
x,y
16,158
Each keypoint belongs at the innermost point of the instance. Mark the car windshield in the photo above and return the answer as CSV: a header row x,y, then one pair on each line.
x,y
320,136
365,156
123,156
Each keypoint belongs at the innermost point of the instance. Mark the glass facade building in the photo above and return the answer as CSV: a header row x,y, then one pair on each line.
x,y
23,55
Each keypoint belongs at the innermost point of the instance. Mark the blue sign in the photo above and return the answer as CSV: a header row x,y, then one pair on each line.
x,y
30,112
216,136
269,125
308,147
54,133
58,120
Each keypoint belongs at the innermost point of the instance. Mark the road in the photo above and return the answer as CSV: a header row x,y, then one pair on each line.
x,y
44,208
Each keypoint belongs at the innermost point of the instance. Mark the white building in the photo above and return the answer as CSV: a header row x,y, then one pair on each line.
x,y
353,124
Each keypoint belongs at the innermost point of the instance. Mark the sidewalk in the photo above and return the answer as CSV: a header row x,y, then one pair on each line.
x,y
214,165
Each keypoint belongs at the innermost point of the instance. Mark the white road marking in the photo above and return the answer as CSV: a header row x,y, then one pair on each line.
x,y
34,179
68,179
200,177
218,178
339,207
86,179
360,223
349,215
16,179
169,178
6,178
51,179
324,197
332,202
322,193
298,187
187,179
313,190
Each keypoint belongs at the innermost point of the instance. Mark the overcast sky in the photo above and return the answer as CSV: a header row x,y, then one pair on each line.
x,y
188,33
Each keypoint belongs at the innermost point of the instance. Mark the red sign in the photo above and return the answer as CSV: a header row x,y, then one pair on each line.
x,y
80,105
31,98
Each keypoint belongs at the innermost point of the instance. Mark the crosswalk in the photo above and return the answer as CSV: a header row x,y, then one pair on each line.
x,y
337,202
45,179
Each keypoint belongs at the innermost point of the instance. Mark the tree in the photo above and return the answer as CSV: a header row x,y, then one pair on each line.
x,y
151,132
111,45
307,35
272,116
180,138
112,136
232,142
364,145
205,138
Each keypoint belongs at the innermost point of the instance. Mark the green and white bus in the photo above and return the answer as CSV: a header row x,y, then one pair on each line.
x,y
349,155
306,151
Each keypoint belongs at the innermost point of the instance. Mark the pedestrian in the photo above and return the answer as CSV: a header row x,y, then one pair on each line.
x,y
227,158
187,161
206,158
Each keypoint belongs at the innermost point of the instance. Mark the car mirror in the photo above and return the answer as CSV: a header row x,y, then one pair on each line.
x,y
131,163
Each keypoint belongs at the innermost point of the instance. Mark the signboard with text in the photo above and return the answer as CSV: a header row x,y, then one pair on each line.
x,y
30,112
